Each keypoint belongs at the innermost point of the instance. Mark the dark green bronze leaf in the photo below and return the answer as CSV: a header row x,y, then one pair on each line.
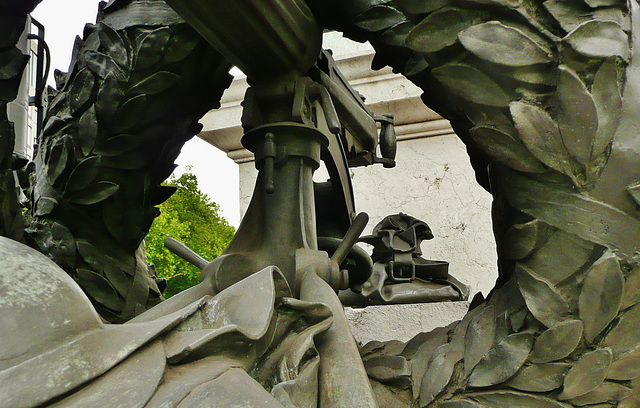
x,y
156,83
456,339
540,134
535,75
625,335
161,194
102,65
420,6
599,39
45,205
503,327
87,130
389,369
129,113
606,95
634,191
438,374
57,162
615,14
118,145
543,300
471,84
479,338
12,62
604,3
504,45
633,401
141,14
594,221
606,392
556,266
63,242
413,347
626,367
11,27
416,64
182,43
100,290
557,342
152,48
6,141
504,3
631,292
505,149
9,87
90,254
577,115
83,174
119,224
508,299
586,374
539,377
569,14
440,29
601,295
135,159
502,361
103,263
52,125
397,35
113,45
109,96
93,193
81,90
522,239
513,399
422,356
518,318
457,404
378,18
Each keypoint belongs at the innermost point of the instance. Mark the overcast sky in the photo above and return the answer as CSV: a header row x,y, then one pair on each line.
x,y
217,174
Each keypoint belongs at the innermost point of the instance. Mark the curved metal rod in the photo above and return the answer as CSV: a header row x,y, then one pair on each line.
x,y
363,263
351,237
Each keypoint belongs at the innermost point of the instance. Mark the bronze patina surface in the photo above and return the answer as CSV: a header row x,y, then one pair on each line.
x,y
545,94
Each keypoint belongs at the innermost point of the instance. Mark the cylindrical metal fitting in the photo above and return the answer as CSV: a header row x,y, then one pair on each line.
x,y
266,39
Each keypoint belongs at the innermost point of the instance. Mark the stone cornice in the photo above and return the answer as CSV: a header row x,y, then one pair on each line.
x,y
385,92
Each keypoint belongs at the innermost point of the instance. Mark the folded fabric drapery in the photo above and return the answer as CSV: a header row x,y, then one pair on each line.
x,y
251,345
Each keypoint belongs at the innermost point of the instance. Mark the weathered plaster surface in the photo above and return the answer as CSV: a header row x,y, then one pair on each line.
x,y
401,322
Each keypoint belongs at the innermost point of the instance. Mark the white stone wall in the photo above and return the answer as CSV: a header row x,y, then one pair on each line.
x,y
402,322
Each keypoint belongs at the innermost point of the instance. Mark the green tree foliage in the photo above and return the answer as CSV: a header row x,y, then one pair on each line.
x,y
191,217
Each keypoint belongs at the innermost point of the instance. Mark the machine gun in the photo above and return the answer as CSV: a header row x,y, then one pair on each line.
x,y
299,108
298,111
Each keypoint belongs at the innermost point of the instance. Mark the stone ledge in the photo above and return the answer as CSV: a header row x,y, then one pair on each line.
x,y
402,322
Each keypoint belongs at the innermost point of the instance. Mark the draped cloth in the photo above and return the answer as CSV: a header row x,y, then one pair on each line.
x,y
251,345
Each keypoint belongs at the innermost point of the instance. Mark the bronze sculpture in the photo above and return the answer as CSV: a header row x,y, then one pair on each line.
x,y
543,94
